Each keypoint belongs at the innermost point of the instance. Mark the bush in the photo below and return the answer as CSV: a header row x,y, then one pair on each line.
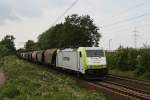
x,y
124,59
143,58
127,59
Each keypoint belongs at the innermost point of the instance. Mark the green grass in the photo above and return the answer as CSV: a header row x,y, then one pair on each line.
x,y
27,81
131,74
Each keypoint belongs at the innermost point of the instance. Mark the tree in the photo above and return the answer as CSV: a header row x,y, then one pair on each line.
x,y
7,46
82,30
30,45
3,51
75,32
8,42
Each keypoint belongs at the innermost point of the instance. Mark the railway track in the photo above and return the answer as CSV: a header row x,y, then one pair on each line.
x,y
138,85
130,92
120,88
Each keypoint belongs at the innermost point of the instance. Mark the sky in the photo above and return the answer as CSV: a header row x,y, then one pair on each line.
x,y
116,19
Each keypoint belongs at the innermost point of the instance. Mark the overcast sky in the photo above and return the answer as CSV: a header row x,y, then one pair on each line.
x,y
26,19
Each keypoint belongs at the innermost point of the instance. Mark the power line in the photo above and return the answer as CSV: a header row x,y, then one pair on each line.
x,y
122,25
138,5
70,7
129,19
128,28
126,20
132,8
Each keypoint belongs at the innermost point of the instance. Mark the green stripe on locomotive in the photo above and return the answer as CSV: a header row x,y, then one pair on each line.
x,y
85,62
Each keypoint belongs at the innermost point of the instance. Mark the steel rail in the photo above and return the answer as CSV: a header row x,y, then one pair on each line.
x,y
125,90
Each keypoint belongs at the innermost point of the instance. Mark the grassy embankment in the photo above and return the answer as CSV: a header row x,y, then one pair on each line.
x,y
27,81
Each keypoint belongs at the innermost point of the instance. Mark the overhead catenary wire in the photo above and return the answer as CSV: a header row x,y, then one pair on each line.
x,y
130,9
126,20
125,11
59,17
63,14
122,21
128,29
126,26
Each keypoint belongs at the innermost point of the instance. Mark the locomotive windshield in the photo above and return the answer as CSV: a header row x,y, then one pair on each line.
x,y
95,53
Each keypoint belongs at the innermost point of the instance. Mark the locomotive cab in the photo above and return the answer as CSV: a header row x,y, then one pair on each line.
x,y
92,61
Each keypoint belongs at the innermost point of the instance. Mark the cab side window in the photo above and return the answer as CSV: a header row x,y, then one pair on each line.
x,y
80,54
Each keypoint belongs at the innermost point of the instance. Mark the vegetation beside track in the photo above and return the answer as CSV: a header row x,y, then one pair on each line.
x,y
130,62
130,74
27,81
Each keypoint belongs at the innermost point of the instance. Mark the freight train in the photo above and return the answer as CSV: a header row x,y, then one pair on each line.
x,y
85,61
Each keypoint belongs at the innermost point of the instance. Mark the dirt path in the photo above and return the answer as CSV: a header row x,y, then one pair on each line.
x,y
2,78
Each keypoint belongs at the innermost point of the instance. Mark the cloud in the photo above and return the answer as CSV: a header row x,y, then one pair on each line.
x,y
5,12
12,10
